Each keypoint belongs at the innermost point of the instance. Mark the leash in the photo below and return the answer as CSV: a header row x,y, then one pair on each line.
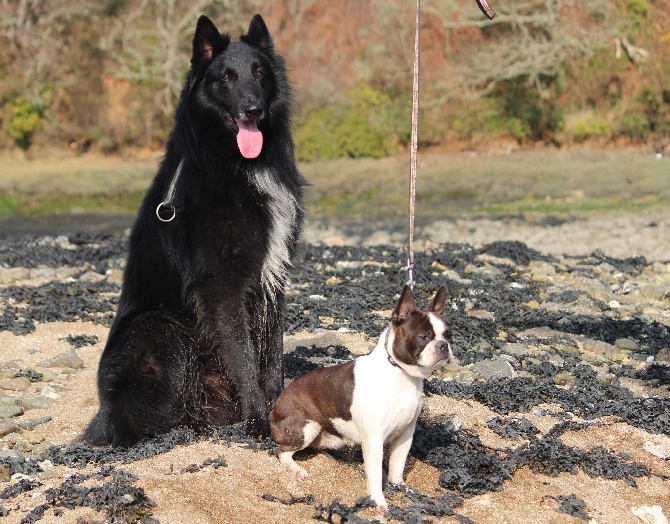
x,y
168,203
413,148
414,141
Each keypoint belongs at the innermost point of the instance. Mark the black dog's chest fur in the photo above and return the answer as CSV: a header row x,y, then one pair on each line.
x,y
198,334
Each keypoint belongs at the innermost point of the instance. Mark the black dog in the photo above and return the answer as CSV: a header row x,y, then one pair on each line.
x,y
198,335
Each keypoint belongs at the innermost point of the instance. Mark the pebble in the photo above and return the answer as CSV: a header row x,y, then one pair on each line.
x,y
626,344
15,384
69,359
31,423
28,403
655,449
10,411
492,368
663,355
7,427
650,515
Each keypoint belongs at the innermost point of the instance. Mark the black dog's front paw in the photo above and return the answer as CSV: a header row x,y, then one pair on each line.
x,y
258,427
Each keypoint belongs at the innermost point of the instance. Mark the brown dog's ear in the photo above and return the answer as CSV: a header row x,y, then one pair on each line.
x,y
440,298
405,305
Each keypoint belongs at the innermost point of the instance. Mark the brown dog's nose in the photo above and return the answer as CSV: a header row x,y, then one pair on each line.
x,y
442,346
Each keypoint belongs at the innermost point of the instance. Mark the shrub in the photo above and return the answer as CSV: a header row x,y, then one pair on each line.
x,y
365,127
634,126
589,126
26,118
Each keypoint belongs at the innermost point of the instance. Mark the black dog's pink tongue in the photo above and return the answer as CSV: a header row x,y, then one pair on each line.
x,y
249,138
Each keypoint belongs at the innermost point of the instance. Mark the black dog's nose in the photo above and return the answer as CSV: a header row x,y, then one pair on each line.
x,y
253,110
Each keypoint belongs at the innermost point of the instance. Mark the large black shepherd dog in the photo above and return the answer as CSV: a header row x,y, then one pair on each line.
x,y
197,339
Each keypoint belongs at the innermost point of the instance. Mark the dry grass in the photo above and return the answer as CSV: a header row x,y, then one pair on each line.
x,y
453,183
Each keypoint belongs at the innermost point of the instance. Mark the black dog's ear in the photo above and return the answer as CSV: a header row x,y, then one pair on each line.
x,y
258,35
405,305
207,42
437,304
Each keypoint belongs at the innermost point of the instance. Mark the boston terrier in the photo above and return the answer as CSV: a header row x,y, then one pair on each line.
x,y
372,401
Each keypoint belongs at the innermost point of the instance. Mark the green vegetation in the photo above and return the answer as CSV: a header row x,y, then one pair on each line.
x,y
368,126
26,118
588,73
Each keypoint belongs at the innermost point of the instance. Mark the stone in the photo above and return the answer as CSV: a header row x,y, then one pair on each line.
x,y
481,314
653,291
15,384
7,401
7,427
541,333
92,277
28,403
650,515
655,449
10,411
663,355
514,348
492,369
12,274
564,378
69,359
598,348
30,423
626,344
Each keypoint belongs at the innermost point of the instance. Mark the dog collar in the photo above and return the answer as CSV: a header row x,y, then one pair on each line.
x,y
168,203
388,353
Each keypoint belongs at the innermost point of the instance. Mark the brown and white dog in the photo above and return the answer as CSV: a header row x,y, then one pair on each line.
x,y
372,401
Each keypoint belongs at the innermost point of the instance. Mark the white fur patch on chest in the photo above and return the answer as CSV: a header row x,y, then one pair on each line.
x,y
283,208
385,399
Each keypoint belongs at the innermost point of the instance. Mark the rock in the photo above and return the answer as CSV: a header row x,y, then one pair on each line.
x,y
564,378
15,384
7,401
653,291
663,355
10,411
115,276
655,449
92,277
541,333
23,445
465,377
49,392
514,348
626,344
4,473
69,359
650,514
481,314
12,274
492,368
598,348
7,427
48,374
30,423
28,403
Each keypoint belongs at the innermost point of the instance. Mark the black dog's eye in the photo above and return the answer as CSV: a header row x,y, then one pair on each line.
x,y
260,73
226,77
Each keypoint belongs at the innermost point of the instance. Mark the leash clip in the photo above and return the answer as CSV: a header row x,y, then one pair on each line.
x,y
410,273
